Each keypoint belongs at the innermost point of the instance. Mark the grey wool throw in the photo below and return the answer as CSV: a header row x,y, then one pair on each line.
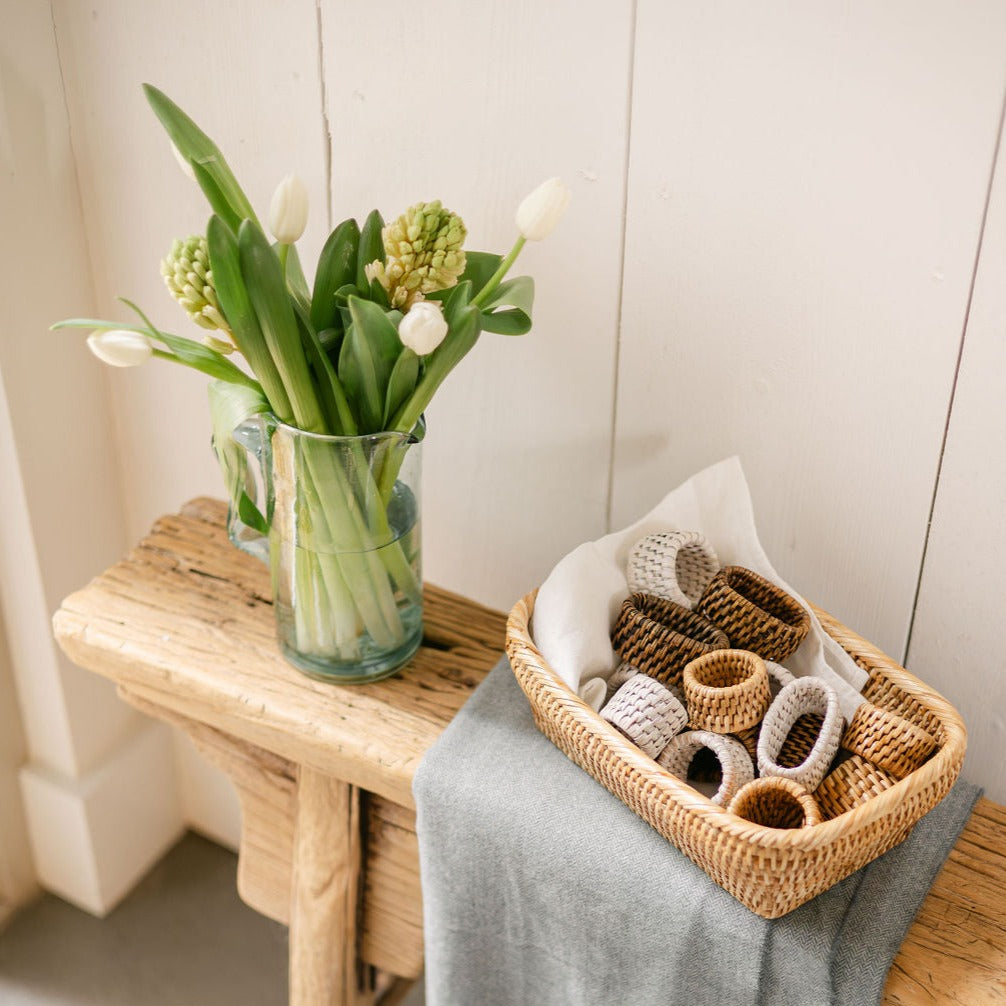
x,y
542,889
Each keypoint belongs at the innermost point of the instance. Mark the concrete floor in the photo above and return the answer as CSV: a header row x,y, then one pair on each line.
x,y
182,938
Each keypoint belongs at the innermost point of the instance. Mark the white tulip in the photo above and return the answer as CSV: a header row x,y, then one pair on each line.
x,y
288,210
119,348
542,209
423,328
183,162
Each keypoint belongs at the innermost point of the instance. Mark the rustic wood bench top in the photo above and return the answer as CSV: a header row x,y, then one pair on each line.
x,y
184,626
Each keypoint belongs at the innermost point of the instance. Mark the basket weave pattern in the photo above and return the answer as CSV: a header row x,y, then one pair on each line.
x,y
775,802
754,613
736,767
887,740
770,871
676,565
646,712
850,784
726,691
659,636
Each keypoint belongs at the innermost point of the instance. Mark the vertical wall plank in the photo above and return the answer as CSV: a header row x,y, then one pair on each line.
x,y
956,641
806,186
475,104
248,74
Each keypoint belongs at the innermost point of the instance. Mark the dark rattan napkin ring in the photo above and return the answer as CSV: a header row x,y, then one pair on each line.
x,y
660,637
755,613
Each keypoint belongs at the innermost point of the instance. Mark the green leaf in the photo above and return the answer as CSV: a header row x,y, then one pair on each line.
x,y
232,294
371,248
517,292
368,355
204,156
219,202
263,279
229,407
296,281
401,383
479,268
196,355
508,322
336,269
331,393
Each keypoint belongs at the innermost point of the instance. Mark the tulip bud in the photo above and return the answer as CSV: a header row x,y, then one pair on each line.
x,y
183,162
541,210
288,210
119,348
423,328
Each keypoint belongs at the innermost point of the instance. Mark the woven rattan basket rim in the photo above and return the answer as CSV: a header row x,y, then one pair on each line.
x,y
528,665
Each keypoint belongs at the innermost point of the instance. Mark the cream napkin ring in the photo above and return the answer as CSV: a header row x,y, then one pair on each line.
x,y
676,565
726,691
659,636
735,762
887,740
775,802
646,712
803,696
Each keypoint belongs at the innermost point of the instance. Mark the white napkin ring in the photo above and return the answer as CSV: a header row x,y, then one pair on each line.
x,y
735,763
646,712
676,565
620,675
799,697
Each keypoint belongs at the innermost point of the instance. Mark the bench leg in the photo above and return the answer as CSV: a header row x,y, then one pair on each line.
x,y
324,962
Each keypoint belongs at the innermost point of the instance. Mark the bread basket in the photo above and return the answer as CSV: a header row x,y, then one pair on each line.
x,y
770,871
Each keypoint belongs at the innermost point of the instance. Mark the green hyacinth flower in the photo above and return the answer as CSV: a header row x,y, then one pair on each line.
x,y
423,253
189,279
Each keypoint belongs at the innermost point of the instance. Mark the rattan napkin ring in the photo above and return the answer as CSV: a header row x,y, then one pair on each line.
x,y
887,740
726,691
676,565
778,679
620,675
851,783
647,713
801,697
775,802
755,613
659,636
735,763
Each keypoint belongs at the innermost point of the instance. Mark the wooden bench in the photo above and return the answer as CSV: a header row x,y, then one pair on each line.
x,y
184,626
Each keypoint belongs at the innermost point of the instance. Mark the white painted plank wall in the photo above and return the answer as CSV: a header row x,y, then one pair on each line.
x,y
476,104
805,190
957,642
806,184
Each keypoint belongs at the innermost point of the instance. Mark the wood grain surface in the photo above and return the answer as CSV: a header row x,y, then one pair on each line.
x,y
184,625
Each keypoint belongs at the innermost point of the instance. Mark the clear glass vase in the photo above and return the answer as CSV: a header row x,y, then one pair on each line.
x,y
343,517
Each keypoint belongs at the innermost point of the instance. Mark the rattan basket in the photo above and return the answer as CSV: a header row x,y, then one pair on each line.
x,y
769,870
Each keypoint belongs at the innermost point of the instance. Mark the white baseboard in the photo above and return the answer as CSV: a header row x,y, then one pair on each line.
x,y
93,838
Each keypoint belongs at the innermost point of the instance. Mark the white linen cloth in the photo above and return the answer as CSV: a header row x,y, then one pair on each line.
x,y
578,603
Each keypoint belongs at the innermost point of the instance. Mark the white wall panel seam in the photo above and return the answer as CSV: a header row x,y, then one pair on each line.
x,y
953,387
621,268
326,123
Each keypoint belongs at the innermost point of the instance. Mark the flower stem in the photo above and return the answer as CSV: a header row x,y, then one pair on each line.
x,y
494,281
284,251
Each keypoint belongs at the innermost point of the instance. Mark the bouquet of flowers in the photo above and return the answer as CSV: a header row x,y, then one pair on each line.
x,y
355,359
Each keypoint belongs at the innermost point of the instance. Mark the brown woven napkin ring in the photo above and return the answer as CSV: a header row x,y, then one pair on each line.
x,y
755,613
775,802
851,783
647,713
735,762
726,691
676,565
887,740
659,636
803,695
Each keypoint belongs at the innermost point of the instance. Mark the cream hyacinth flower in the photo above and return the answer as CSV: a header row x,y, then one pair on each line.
x,y
423,251
189,279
